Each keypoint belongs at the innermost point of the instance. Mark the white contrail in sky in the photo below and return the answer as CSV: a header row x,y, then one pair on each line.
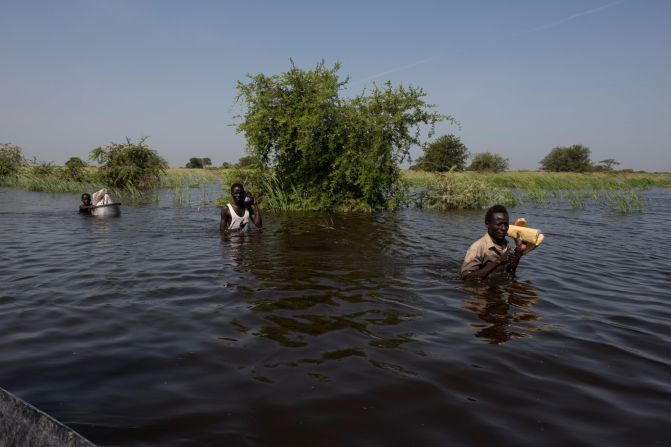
x,y
505,36
560,21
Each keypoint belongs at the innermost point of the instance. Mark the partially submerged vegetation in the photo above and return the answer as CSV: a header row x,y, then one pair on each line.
x,y
313,145
442,191
460,190
129,165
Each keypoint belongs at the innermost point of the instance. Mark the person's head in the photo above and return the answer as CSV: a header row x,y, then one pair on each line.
x,y
496,220
86,199
238,193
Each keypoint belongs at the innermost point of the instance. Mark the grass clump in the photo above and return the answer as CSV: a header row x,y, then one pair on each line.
x,y
462,191
626,201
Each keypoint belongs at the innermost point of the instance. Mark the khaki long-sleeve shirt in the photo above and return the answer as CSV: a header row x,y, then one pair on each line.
x,y
481,252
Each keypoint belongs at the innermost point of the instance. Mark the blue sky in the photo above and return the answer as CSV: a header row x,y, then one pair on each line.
x,y
521,77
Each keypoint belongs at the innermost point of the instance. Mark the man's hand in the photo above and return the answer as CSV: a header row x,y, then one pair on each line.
x,y
520,247
515,255
507,257
251,201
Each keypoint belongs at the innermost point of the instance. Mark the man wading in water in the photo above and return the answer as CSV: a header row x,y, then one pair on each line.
x,y
236,216
491,254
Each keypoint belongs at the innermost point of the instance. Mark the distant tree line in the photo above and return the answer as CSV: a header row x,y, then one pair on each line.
x,y
119,165
574,158
137,165
448,153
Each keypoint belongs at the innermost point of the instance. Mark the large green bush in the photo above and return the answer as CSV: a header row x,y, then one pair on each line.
x,y
488,162
574,158
75,169
340,152
129,165
11,159
446,153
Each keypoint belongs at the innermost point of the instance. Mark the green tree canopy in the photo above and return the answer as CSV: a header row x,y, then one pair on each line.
x,y
198,163
74,168
488,162
444,154
129,164
11,159
340,151
195,163
567,159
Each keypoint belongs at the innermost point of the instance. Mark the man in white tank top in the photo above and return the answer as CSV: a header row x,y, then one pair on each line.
x,y
236,215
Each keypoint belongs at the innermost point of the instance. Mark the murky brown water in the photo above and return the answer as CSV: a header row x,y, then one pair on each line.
x,y
153,329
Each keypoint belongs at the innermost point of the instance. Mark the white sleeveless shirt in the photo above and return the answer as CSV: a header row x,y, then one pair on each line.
x,y
237,221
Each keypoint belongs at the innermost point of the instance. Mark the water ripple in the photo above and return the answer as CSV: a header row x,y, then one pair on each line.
x,y
153,329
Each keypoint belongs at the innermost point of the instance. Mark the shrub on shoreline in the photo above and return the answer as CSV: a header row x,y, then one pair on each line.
x,y
129,165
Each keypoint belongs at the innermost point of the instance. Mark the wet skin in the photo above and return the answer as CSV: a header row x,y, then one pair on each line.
x,y
498,227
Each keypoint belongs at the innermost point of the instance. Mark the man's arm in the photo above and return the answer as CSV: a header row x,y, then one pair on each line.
x,y
225,219
255,213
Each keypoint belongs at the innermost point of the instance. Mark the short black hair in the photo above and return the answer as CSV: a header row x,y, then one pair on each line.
x,y
87,195
238,185
493,210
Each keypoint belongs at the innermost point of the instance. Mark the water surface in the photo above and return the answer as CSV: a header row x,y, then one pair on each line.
x,y
328,329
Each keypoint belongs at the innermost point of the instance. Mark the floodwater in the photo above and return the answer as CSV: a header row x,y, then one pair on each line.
x,y
332,330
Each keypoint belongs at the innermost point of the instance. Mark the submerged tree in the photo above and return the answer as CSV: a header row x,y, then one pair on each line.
x,y
129,164
488,162
339,151
567,159
446,153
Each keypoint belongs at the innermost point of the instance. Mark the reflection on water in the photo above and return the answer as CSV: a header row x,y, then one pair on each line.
x,y
155,329
505,307
328,304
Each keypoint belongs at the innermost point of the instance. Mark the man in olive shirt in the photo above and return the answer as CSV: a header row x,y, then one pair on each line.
x,y
491,254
